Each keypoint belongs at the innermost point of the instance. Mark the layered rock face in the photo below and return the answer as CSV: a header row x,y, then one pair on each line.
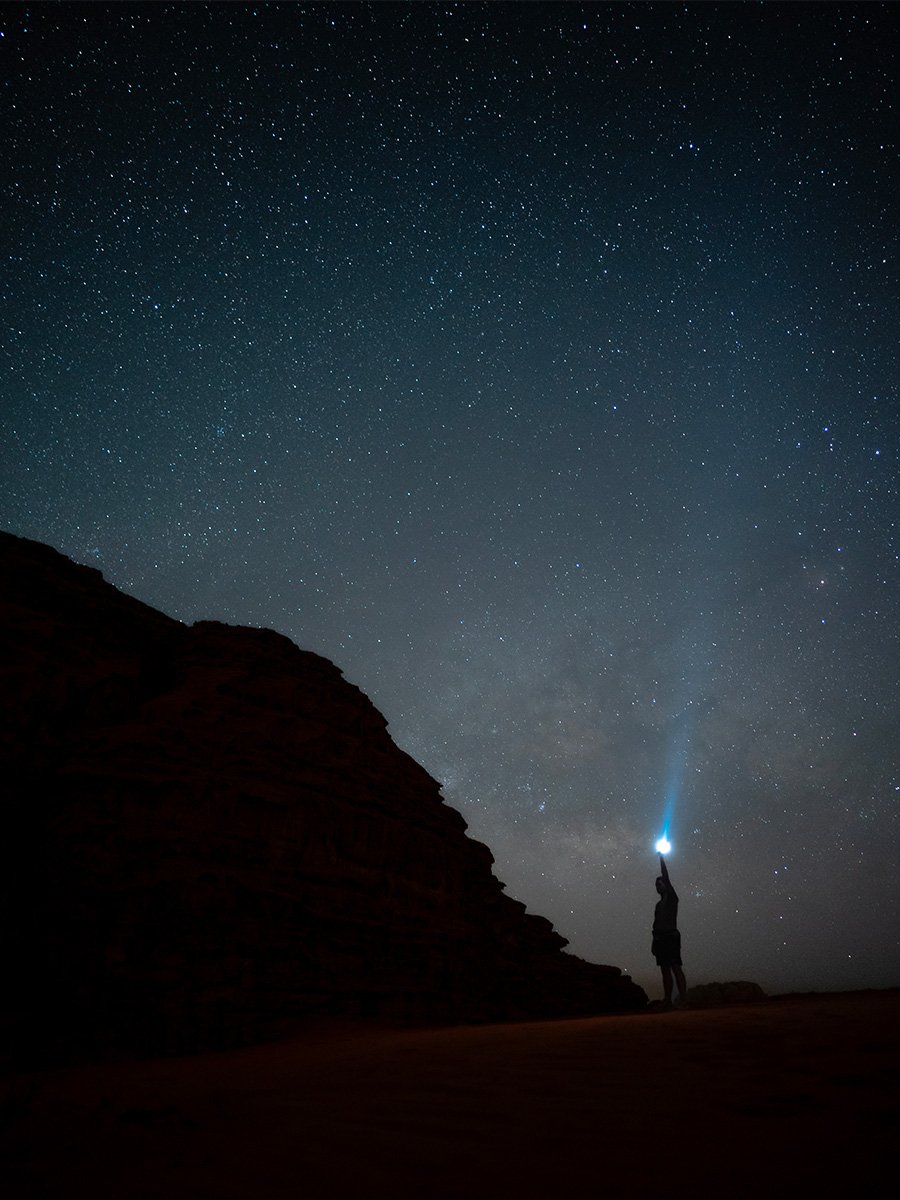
x,y
209,833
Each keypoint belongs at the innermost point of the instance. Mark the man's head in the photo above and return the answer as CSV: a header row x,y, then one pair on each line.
x,y
660,884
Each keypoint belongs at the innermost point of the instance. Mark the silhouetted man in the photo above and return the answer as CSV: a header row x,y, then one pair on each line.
x,y
666,938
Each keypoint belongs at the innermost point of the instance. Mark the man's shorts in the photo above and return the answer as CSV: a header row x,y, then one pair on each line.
x,y
666,948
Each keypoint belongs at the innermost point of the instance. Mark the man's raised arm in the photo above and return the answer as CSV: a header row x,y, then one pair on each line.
x,y
664,871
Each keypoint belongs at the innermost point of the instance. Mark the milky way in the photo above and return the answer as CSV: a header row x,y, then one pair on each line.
x,y
536,364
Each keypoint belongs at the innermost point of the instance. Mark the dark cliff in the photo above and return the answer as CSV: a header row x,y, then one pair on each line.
x,y
208,833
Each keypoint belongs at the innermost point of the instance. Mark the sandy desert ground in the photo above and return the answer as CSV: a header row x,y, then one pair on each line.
x,y
797,1095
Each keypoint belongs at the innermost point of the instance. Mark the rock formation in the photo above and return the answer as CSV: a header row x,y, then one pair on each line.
x,y
208,833
737,991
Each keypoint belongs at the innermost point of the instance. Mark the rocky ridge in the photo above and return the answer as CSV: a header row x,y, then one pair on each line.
x,y
209,834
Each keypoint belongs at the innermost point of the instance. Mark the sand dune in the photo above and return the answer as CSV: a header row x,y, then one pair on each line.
x,y
798,1094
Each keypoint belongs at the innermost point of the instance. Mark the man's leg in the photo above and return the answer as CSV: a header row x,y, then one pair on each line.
x,y
679,979
667,983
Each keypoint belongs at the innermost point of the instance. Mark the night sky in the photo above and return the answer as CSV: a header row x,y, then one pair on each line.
x,y
537,365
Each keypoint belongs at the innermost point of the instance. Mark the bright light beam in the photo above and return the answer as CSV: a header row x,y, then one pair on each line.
x,y
678,753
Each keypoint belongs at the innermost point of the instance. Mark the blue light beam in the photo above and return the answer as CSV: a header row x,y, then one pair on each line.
x,y
674,778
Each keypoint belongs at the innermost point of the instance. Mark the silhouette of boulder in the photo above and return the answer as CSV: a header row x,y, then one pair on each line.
x,y
209,834
711,995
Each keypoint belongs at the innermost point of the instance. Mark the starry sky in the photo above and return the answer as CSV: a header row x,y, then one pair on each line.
x,y
536,363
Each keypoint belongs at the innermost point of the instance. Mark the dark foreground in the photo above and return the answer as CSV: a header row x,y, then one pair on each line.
x,y
799,1094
